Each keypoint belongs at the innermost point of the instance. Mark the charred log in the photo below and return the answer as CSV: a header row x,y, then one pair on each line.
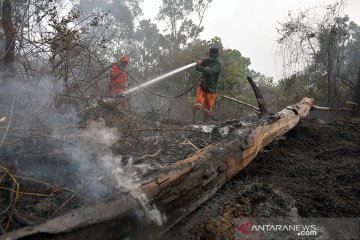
x,y
164,199
259,96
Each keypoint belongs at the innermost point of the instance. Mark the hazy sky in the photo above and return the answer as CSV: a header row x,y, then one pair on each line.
x,y
250,26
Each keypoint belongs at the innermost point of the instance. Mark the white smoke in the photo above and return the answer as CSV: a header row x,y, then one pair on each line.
x,y
101,174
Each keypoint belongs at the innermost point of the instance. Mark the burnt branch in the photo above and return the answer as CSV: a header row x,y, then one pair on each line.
x,y
259,96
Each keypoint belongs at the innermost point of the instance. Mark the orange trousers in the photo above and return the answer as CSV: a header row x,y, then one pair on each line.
x,y
123,103
206,100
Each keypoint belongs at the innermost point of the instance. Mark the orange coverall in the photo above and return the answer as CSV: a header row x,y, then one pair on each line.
x,y
117,85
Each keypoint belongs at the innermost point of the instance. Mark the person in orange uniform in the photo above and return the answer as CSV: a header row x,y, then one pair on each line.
x,y
206,92
117,83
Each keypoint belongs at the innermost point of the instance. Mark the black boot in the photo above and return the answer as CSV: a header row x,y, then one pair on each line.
x,y
196,113
206,119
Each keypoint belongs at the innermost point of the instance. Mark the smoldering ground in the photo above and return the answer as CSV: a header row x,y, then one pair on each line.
x,y
62,165
57,165
71,165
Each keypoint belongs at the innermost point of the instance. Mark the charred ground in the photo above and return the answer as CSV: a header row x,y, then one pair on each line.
x,y
313,171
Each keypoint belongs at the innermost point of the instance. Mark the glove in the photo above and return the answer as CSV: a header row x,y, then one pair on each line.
x,y
199,62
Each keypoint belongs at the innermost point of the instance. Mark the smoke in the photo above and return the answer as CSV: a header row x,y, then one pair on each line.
x,y
151,211
96,160
49,130
80,159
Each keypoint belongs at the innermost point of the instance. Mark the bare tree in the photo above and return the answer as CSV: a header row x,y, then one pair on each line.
x,y
310,40
7,61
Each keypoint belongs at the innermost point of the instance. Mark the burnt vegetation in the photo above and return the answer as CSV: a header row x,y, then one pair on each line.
x,y
65,145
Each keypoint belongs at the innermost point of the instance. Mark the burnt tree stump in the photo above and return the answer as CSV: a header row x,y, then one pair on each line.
x,y
259,96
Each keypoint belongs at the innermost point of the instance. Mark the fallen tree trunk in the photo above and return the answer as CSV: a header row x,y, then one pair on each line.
x,y
331,109
161,202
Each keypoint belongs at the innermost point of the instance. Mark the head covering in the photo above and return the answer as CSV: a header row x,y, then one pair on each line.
x,y
214,52
124,58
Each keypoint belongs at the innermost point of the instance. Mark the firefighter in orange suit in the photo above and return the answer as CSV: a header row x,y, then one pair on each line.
x,y
206,92
117,83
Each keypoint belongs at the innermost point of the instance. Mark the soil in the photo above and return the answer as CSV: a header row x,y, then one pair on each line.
x,y
312,171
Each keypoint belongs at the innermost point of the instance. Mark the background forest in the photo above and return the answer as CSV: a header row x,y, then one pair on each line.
x,y
65,48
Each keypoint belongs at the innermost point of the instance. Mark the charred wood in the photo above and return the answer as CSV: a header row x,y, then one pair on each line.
x,y
259,96
242,103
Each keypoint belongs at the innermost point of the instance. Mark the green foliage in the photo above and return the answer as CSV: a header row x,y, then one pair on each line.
x,y
235,70
293,89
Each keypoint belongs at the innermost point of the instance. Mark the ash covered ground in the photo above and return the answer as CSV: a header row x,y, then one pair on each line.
x,y
49,167
313,171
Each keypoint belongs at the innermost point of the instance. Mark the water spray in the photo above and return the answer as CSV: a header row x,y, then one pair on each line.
x,y
166,75
127,92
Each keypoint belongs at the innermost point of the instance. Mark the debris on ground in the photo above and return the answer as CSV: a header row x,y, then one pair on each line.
x,y
313,171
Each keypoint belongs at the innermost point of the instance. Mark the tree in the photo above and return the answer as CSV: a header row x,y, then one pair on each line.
x,y
149,48
9,30
234,73
318,44
177,15
351,71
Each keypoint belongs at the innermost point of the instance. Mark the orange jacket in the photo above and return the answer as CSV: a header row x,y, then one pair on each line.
x,y
117,82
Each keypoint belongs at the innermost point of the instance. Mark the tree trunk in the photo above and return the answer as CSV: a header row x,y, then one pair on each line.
x,y
161,202
356,98
7,65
